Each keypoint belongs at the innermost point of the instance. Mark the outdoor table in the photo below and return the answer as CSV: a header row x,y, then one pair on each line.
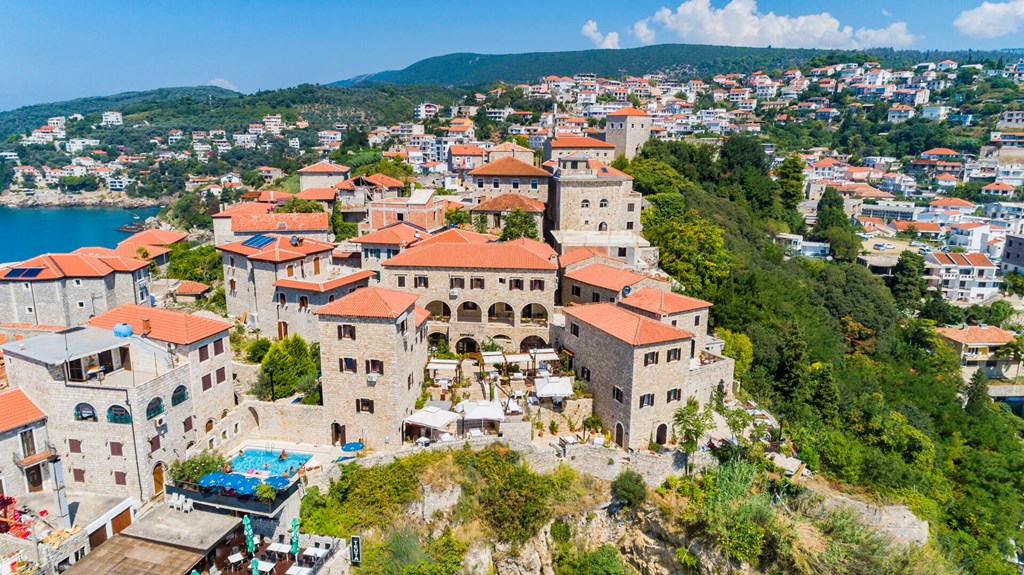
x,y
296,570
236,558
265,567
279,548
315,552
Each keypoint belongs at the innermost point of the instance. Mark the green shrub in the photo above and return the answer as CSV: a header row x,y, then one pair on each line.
x,y
266,493
257,350
191,469
560,531
841,455
629,486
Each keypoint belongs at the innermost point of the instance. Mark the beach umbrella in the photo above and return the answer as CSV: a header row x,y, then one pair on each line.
x,y
246,485
249,543
277,482
194,572
255,566
295,536
212,479
230,480
352,446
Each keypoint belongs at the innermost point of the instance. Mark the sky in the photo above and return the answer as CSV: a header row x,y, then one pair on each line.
x,y
59,49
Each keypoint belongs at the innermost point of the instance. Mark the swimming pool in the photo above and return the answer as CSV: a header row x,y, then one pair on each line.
x,y
268,460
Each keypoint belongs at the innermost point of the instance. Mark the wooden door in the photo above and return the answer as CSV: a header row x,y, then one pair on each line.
x,y
282,329
121,521
96,538
158,478
34,475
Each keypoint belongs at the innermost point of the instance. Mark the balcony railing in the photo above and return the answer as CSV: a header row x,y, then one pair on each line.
x,y
233,502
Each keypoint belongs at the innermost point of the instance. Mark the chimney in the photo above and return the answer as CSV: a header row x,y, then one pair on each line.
x,y
146,326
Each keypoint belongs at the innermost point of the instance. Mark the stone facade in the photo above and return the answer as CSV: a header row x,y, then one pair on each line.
x,y
482,188
628,133
69,300
586,199
296,311
14,481
370,407
578,292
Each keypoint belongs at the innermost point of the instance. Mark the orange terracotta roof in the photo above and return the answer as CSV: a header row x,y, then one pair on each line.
x,y
327,285
630,111
187,287
83,263
245,209
273,196
625,325
509,202
507,256
466,150
578,254
605,276
457,236
421,315
975,259
318,194
400,234
510,147
579,142
384,181
662,301
370,302
989,334
325,167
123,261
16,410
509,166
292,222
280,250
1000,186
940,152
951,203
603,170
166,325
156,237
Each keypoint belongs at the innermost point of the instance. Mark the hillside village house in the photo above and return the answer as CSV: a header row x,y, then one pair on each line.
x,y
557,148
322,175
67,289
962,277
496,209
296,299
510,150
422,208
478,290
374,345
628,129
252,266
222,232
314,225
507,175
605,281
978,346
378,246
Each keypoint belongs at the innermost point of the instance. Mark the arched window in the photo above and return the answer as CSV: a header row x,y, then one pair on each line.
x,y
585,204
209,425
118,414
84,412
179,395
223,414
603,203
155,408
602,227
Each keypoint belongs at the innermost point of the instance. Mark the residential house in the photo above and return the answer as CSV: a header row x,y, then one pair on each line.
x,y
323,174
508,175
962,277
978,346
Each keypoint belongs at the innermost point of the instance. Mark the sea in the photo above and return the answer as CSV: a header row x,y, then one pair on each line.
x,y
33,231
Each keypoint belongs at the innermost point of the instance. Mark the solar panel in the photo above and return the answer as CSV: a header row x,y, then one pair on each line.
x,y
31,272
258,241
15,273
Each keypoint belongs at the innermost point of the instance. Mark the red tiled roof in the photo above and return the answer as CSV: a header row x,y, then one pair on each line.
x,y
166,325
324,285
279,250
629,111
603,170
662,301
605,276
324,167
421,315
509,202
129,249
273,196
951,202
1000,186
457,236
114,259
579,142
989,334
508,256
83,263
384,181
509,166
578,254
940,152
903,225
292,222
187,287
318,194
975,259
400,234
246,208
16,410
156,237
625,325
370,302
466,150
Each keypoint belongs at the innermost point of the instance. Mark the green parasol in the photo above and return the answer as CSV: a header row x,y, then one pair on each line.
x,y
295,536
255,566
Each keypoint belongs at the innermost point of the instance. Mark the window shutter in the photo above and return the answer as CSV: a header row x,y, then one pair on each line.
x,y
341,364
368,366
116,449
75,445
371,406
357,406
187,424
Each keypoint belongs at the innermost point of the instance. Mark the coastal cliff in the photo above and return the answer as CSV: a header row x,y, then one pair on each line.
x,y
56,199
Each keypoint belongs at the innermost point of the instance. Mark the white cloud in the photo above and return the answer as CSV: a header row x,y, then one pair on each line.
x,y
609,40
643,31
991,19
223,83
739,23
886,13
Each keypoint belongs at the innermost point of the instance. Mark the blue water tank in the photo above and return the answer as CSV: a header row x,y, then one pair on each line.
x,y
123,330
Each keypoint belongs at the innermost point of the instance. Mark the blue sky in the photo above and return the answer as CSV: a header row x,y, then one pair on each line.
x,y
57,50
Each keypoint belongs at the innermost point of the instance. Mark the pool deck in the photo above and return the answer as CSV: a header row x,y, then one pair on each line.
x,y
322,454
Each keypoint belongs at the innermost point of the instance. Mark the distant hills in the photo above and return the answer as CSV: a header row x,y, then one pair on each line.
x,y
680,60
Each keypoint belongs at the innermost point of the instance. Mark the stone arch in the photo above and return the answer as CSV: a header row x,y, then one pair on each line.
x,y
532,342
501,312
534,313
620,435
602,227
158,477
209,425
661,434
467,345
439,311
585,204
603,203
504,341
468,311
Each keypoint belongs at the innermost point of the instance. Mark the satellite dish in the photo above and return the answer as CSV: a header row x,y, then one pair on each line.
x,y
626,290
295,240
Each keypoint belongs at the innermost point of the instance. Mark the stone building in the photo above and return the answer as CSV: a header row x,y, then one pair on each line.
x,y
510,150
628,129
607,281
373,347
421,208
322,175
640,370
123,407
497,208
222,232
252,266
508,175
315,225
376,247
479,290
68,289
557,148
296,300
24,441
588,195
677,310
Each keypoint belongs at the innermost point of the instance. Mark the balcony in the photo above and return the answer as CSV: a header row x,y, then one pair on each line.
x,y
231,502
47,453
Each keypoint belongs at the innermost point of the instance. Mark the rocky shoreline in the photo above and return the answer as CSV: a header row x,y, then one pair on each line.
x,y
53,199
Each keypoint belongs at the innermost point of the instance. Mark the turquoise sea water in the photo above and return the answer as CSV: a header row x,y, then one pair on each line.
x,y
28,232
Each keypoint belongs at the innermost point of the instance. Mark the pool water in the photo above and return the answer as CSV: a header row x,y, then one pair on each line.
x,y
256,459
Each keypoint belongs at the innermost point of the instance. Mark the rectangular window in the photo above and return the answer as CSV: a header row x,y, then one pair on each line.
x,y
346,331
154,444
207,382
347,364
595,297
375,366
401,281
420,282
476,283
576,291
617,394
218,346
646,400
117,449
674,354
75,445
515,183
533,184
630,207
457,283
629,225
536,285
651,358
204,353
479,182
222,374
622,252
696,320
574,328
120,478
186,425
364,405
515,283
78,475
674,395
495,183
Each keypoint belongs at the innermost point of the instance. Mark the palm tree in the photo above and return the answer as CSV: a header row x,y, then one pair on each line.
x,y
691,423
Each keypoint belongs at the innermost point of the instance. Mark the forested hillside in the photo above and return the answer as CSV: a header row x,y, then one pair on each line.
x,y
860,379
681,60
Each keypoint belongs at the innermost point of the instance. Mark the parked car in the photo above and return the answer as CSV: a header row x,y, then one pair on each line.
x,y
924,250
917,244
879,247
889,246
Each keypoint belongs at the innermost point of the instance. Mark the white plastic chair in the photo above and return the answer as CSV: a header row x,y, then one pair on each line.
x,y
188,506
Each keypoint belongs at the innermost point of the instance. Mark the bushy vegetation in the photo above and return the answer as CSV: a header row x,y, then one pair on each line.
x,y
629,487
191,469
287,367
200,264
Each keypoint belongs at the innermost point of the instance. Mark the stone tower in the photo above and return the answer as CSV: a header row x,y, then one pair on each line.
x,y
627,129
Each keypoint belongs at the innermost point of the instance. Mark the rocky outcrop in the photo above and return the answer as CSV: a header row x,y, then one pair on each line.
x,y
55,199
898,522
